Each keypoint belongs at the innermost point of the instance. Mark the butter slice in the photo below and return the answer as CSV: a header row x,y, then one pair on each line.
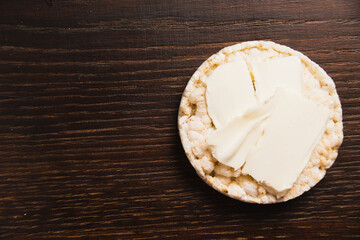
x,y
231,145
292,131
286,73
229,92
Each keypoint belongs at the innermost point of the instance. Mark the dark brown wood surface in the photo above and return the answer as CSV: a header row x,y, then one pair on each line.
x,y
89,94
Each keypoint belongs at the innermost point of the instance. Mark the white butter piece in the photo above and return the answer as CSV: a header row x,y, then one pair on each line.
x,y
231,145
286,73
229,92
293,129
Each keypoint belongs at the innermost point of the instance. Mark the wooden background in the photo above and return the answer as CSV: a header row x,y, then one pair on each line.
x,y
89,94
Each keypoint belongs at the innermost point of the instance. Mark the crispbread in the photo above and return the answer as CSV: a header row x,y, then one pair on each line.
x,y
195,124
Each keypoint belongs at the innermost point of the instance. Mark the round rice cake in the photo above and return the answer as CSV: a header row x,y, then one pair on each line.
x,y
195,125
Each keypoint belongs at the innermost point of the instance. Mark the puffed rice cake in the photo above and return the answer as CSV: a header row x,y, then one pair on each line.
x,y
195,124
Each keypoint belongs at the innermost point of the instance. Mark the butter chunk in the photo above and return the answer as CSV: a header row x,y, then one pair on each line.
x,y
229,92
231,145
293,129
286,73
